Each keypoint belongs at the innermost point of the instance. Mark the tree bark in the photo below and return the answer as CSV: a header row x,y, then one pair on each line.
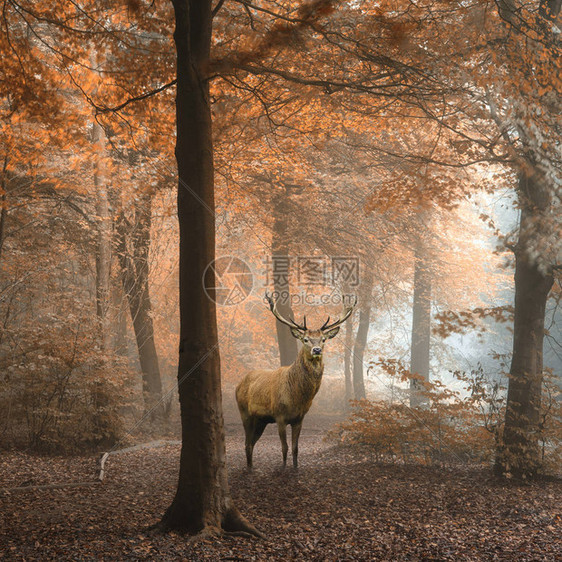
x,y
421,327
519,453
104,241
281,268
361,337
135,272
202,500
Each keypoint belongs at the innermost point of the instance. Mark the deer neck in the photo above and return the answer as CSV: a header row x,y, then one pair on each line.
x,y
307,370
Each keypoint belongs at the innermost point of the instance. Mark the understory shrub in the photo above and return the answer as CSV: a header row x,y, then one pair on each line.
x,y
59,392
452,426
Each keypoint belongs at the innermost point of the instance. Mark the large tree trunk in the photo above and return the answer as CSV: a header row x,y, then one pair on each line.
x,y
135,270
421,327
202,500
281,269
104,241
518,453
362,336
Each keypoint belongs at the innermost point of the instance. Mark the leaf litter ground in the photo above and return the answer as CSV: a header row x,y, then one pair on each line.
x,y
340,505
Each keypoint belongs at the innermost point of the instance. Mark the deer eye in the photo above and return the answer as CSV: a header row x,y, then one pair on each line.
x,y
306,340
323,339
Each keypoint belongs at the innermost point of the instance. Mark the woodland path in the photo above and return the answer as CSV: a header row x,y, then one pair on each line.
x,y
339,506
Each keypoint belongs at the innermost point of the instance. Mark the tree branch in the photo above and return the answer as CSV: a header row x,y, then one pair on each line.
x,y
100,109
217,8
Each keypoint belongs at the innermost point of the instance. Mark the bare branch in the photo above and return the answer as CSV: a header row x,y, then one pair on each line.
x,y
217,8
140,97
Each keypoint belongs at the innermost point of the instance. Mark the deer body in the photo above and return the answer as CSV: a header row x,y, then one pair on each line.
x,y
284,395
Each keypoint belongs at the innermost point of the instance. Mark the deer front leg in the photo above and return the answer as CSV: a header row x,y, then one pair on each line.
x,y
282,427
295,433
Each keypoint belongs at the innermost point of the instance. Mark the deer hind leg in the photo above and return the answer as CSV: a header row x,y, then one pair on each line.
x,y
295,433
258,430
248,423
282,428
253,428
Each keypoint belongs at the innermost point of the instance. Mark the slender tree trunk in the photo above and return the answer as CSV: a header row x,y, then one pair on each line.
x,y
421,327
362,337
100,391
359,352
120,305
104,235
519,453
202,500
3,204
347,361
281,268
135,271
3,217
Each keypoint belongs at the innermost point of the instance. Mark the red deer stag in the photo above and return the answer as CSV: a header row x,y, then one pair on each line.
x,y
284,395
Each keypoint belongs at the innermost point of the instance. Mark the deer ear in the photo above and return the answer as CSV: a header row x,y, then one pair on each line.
x,y
296,333
332,333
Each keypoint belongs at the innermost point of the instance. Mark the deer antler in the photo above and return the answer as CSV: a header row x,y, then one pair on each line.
x,y
346,314
291,323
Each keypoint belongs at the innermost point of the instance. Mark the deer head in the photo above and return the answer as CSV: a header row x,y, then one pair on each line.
x,y
312,340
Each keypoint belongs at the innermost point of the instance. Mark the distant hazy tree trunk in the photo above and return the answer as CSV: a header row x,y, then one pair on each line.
x,y
281,268
134,259
104,241
519,453
421,326
362,336
120,306
347,361
99,391
202,500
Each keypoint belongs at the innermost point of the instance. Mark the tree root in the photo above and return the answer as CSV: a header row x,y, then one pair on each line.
x,y
235,524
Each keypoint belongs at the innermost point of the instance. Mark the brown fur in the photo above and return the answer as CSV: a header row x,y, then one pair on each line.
x,y
282,396
285,395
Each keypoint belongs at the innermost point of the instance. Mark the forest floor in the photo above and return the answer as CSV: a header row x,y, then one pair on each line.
x,y
339,505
